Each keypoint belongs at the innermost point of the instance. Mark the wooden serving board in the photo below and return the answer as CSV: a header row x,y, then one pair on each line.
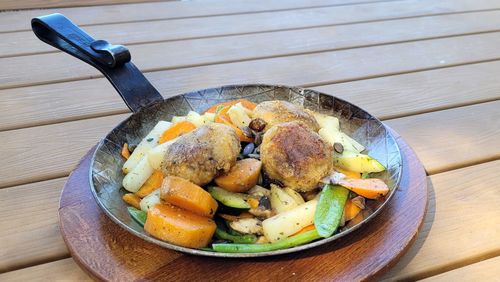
x,y
107,252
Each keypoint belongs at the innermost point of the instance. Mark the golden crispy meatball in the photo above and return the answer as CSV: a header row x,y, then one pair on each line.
x,y
200,155
276,112
296,156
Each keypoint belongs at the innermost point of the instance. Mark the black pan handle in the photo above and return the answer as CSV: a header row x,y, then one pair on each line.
x,y
112,60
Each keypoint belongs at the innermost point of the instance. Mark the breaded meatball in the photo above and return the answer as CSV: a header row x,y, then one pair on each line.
x,y
276,112
202,154
296,156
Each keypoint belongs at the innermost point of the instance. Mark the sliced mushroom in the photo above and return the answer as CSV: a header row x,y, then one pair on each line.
x,y
259,191
247,226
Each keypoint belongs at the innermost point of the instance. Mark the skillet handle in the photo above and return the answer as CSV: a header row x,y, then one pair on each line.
x,y
112,60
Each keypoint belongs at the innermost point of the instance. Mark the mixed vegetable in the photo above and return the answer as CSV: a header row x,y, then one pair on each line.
x,y
243,177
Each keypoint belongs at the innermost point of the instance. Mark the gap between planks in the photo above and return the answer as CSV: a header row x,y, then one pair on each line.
x,y
130,8
434,59
90,75
219,26
8,5
52,51
484,270
317,86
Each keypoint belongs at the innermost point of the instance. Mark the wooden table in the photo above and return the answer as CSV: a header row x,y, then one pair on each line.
x,y
429,69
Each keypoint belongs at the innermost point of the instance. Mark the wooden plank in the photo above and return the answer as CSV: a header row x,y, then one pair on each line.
x,y
19,43
56,67
486,270
30,233
455,213
50,151
33,4
462,225
20,20
445,140
61,270
419,92
96,98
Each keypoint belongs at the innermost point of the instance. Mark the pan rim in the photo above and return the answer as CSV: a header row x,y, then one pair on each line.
x,y
257,254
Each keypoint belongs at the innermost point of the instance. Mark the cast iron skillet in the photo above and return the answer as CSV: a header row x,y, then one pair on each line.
x,y
148,107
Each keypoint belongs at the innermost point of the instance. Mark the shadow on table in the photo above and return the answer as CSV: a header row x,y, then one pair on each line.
x,y
419,242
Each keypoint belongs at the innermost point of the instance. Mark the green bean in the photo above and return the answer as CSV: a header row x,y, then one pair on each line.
x,y
293,241
330,209
138,215
243,239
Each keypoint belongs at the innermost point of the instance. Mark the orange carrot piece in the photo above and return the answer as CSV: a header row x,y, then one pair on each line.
x,y
254,203
370,188
133,200
179,226
303,230
187,195
223,117
153,183
350,210
176,130
244,102
125,151
242,176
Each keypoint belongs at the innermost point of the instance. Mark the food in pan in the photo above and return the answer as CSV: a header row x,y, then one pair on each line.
x,y
296,155
243,177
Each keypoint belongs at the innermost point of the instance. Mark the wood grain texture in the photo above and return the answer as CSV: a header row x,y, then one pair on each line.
x,y
463,135
57,67
20,20
95,98
61,270
29,233
19,43
413,93
486,270
61,146
462,225
113,248
33,4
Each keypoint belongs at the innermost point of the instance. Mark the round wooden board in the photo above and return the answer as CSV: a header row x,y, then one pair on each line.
x,y
107,252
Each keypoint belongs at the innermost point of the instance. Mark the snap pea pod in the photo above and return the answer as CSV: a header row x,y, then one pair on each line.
x,y
138,215
330,209
293,241
243,239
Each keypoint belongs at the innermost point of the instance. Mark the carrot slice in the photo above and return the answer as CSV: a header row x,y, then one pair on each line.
x,y
370,188
184,194
133,200
242,176
179,128
254,203
223,117
153,183
303,230
350,210
125,151
244,102
179,226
